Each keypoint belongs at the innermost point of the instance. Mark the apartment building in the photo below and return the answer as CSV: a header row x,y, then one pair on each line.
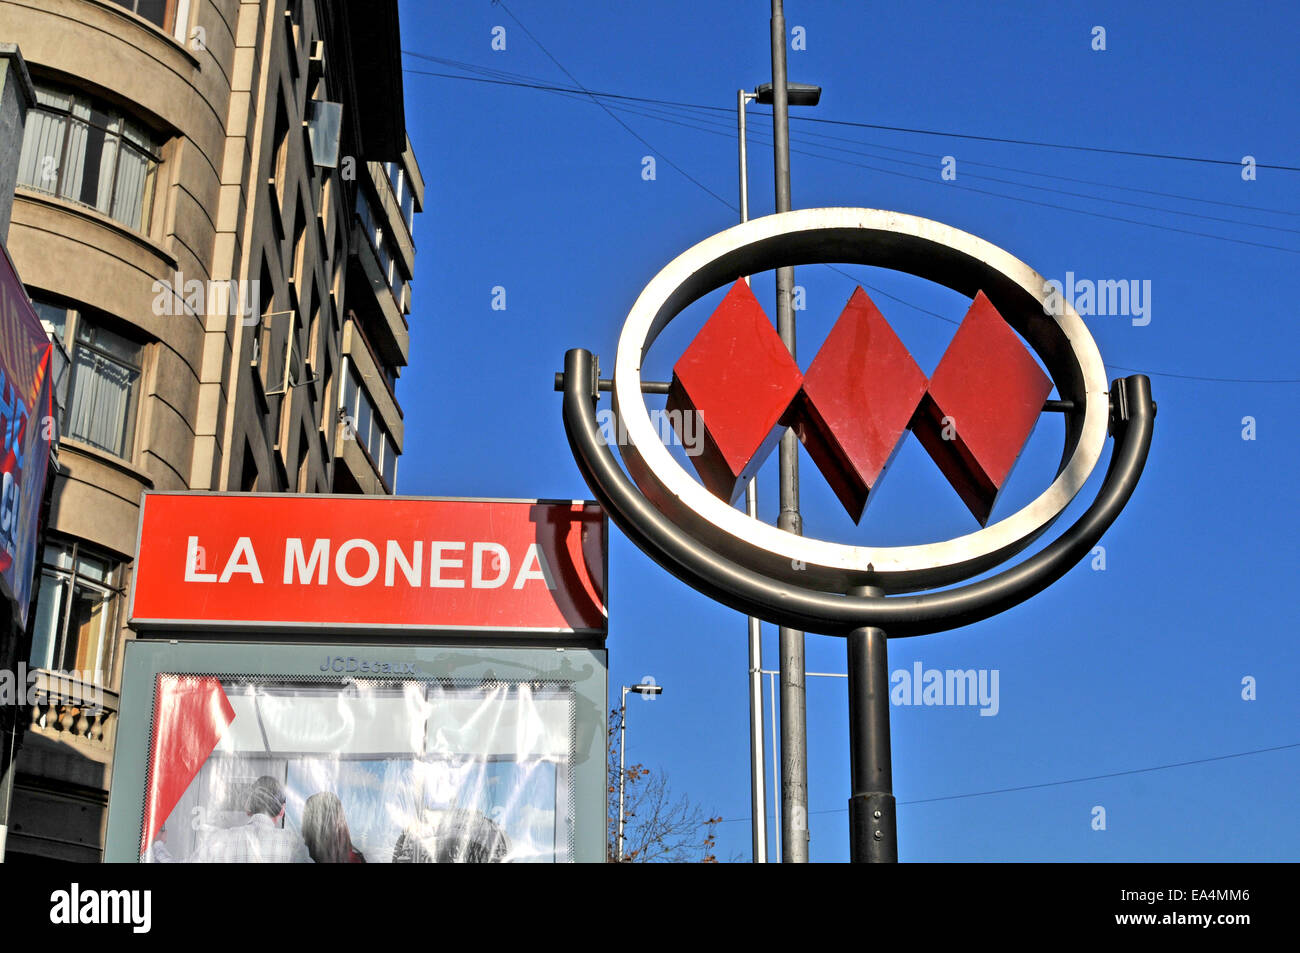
x,y
214,218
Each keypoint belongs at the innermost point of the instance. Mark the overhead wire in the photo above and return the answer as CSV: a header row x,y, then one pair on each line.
x,y
518,79
649,106
713,130
1051,784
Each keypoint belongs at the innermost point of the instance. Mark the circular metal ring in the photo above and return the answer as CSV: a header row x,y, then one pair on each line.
x,y
906,243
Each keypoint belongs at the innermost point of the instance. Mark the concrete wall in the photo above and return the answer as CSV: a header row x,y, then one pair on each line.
x,y
16,94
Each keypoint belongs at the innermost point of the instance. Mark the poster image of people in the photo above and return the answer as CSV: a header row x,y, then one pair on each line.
x,y
271,770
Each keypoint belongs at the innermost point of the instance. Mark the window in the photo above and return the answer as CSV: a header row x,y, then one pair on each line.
x,y
248,477
103,388
158,12
54,319
281,154
74,628
327,396
405,196
171,15
389,468
295,370
382,246
324,128
364,425
300,248
86,152
304,461
324,199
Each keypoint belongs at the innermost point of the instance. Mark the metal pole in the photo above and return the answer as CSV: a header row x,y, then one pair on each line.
x,y
873,828
776,784
9,715
757,743
742,98
8,736
794,731
622,773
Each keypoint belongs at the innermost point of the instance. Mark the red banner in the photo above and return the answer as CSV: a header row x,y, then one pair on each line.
x,y
190,714
27,428
356,563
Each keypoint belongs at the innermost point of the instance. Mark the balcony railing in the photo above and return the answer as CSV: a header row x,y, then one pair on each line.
x,y
69,709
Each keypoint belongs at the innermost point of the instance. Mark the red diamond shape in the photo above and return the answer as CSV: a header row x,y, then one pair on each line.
x,y
858,397
982,404
739,378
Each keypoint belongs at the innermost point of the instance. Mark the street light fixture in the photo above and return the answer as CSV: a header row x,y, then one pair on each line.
x,y
797,94
645,691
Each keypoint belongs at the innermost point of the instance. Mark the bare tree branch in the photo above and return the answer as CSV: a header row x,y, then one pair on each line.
x,y
659,826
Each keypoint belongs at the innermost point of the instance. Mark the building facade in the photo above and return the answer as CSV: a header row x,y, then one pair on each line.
x,y
214,217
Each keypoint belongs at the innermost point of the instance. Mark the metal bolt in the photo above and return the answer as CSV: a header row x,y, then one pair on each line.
x,y
876,815
879,835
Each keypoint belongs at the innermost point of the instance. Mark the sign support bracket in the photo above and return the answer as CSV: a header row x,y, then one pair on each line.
x,y
873,828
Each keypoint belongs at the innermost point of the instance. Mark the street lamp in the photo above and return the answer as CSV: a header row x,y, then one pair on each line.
x,y
797,94
645,691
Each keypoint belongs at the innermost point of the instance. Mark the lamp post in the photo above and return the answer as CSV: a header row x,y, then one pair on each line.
x,y
797,94
757,752
644,691
790,645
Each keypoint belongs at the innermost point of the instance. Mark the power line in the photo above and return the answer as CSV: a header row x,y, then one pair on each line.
x,y
1017,198
610,113
1049,145
677,121
880,127
1050,784
594,98
1096,198
1068,178
1102,777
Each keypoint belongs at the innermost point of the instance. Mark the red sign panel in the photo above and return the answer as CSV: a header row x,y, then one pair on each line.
x,y
356,563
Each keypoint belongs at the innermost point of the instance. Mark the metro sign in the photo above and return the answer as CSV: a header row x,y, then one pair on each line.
x,y
861,394
851,408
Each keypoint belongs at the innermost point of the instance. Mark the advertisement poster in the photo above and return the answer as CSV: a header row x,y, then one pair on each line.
x,y
359,770
27,428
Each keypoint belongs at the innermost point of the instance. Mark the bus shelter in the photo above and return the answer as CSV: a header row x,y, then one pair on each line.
x,y
387,680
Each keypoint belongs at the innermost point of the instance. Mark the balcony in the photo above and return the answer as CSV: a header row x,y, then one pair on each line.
x,y
370,426
73,712
381,310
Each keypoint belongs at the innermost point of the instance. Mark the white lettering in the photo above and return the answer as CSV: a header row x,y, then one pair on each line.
x,y
318,563
192,563
394,556
534,557
437,564
341,562
242,559
500,562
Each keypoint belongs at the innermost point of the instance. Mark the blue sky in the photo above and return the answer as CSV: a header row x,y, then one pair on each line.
x,y
1139,665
